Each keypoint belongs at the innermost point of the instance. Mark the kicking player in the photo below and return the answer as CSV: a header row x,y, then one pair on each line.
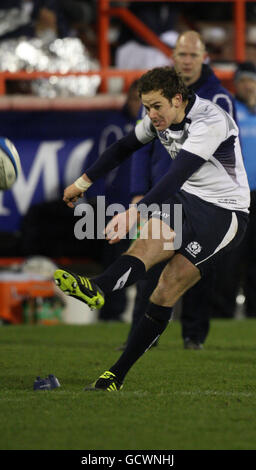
x,y
151,162
207,178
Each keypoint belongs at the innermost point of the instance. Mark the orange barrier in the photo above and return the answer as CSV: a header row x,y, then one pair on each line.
x,y
14,292
104,15
105,12
128,76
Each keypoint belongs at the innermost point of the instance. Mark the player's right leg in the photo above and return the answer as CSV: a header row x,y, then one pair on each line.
x,y
125,271
79,287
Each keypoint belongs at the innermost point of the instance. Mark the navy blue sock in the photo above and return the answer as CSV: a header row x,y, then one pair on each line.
x,y
149,328
126,270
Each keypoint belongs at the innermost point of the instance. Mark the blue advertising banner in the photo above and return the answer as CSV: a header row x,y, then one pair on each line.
x,y
54,149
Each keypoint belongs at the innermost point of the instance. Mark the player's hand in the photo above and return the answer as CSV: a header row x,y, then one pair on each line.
x,y
71,195
136,199
120,225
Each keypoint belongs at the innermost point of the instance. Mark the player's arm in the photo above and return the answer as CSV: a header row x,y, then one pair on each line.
x,y
182,168
141,171
201,144
110,158
185,164
140,167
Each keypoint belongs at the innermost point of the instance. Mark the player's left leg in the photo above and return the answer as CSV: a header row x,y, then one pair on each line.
x,y
199,251
144,289
178,276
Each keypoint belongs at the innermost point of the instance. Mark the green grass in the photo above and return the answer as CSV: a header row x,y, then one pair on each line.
x,y
172,398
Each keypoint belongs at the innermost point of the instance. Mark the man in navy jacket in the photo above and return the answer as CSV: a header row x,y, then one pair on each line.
x,y
242,263
148,166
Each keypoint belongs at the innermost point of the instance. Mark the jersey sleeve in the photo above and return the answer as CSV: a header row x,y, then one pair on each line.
x,y
113,156
180,170
141,171
205,137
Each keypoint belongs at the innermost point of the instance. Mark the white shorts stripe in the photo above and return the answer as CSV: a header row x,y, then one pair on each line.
x,y
231,233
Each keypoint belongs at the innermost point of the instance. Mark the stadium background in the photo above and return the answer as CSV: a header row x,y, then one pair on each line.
x,y
55,136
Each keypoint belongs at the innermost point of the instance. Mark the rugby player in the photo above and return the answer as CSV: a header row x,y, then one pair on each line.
x,y
207,178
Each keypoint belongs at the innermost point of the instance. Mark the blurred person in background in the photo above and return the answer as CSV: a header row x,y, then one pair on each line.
x,y
45,19
27,18
81,18
117,190
242,263
152,162
132,52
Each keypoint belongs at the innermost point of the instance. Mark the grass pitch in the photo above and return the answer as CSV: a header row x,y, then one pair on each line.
x,y
172,398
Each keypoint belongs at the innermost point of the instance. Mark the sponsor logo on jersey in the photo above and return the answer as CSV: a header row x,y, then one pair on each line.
x,y
165,215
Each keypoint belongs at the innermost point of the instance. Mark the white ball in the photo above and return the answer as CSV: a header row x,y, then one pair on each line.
x,y
9,163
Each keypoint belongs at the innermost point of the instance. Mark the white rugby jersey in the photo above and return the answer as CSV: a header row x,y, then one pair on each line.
x,y
210,133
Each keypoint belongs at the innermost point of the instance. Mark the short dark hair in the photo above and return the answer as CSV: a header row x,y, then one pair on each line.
x,y
164,79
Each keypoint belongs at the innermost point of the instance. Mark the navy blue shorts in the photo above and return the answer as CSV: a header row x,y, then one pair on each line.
x,y
207,231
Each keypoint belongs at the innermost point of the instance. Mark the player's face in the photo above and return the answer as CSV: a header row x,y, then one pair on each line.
x,y
188,59
161,111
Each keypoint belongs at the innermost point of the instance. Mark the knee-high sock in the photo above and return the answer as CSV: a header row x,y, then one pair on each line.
x,y
150,327
126,270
